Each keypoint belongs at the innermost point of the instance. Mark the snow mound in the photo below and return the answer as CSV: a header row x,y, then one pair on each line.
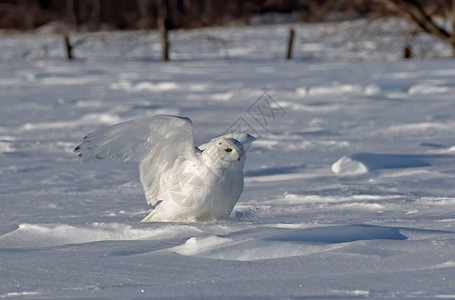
x,y
347,165
287,243
335,89
144,86
35,235
246,250
91,118
223,96
5,146
362,163
419,127
427,89
372,89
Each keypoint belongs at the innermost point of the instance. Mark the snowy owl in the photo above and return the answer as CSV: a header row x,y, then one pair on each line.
x,y
183,182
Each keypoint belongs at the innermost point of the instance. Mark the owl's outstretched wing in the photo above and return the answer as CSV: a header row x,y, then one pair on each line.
x,y
157,143
244,138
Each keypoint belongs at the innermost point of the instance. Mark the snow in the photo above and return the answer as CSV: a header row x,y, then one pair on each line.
x,y
348,190
360,163
287,244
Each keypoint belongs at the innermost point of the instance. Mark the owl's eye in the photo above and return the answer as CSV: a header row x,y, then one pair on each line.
x,y
228,149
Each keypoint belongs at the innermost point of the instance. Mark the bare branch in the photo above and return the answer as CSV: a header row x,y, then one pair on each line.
x,y
413,11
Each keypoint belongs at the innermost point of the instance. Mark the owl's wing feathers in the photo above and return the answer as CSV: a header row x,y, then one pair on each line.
x,y
156,142
244,138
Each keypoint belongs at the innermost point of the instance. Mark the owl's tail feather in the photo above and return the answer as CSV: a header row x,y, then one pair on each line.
x,y
151,217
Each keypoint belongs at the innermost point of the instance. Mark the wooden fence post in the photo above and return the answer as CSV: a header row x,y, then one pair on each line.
x,y
163,27
290,43
68,46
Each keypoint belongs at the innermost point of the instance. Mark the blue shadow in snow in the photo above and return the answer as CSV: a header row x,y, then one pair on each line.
x,y
274,170
374,161
340,234
392,161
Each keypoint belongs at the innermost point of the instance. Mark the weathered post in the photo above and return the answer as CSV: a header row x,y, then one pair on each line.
x,y
163,27
290,43
68,46
407,52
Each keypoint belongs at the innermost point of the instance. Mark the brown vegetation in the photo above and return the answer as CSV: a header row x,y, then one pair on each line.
x,y
92,15
142,14
425,14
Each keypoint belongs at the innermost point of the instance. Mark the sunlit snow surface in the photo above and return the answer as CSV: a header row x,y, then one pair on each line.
x,y
349,190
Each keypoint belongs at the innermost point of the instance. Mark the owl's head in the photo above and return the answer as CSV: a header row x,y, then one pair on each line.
x,y
228,152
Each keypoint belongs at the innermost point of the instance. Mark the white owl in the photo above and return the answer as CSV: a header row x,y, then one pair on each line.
x,y
183,182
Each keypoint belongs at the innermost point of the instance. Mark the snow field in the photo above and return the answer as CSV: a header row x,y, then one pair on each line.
x,y
348,190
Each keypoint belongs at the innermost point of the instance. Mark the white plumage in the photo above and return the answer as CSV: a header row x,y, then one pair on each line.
x,y
183,182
